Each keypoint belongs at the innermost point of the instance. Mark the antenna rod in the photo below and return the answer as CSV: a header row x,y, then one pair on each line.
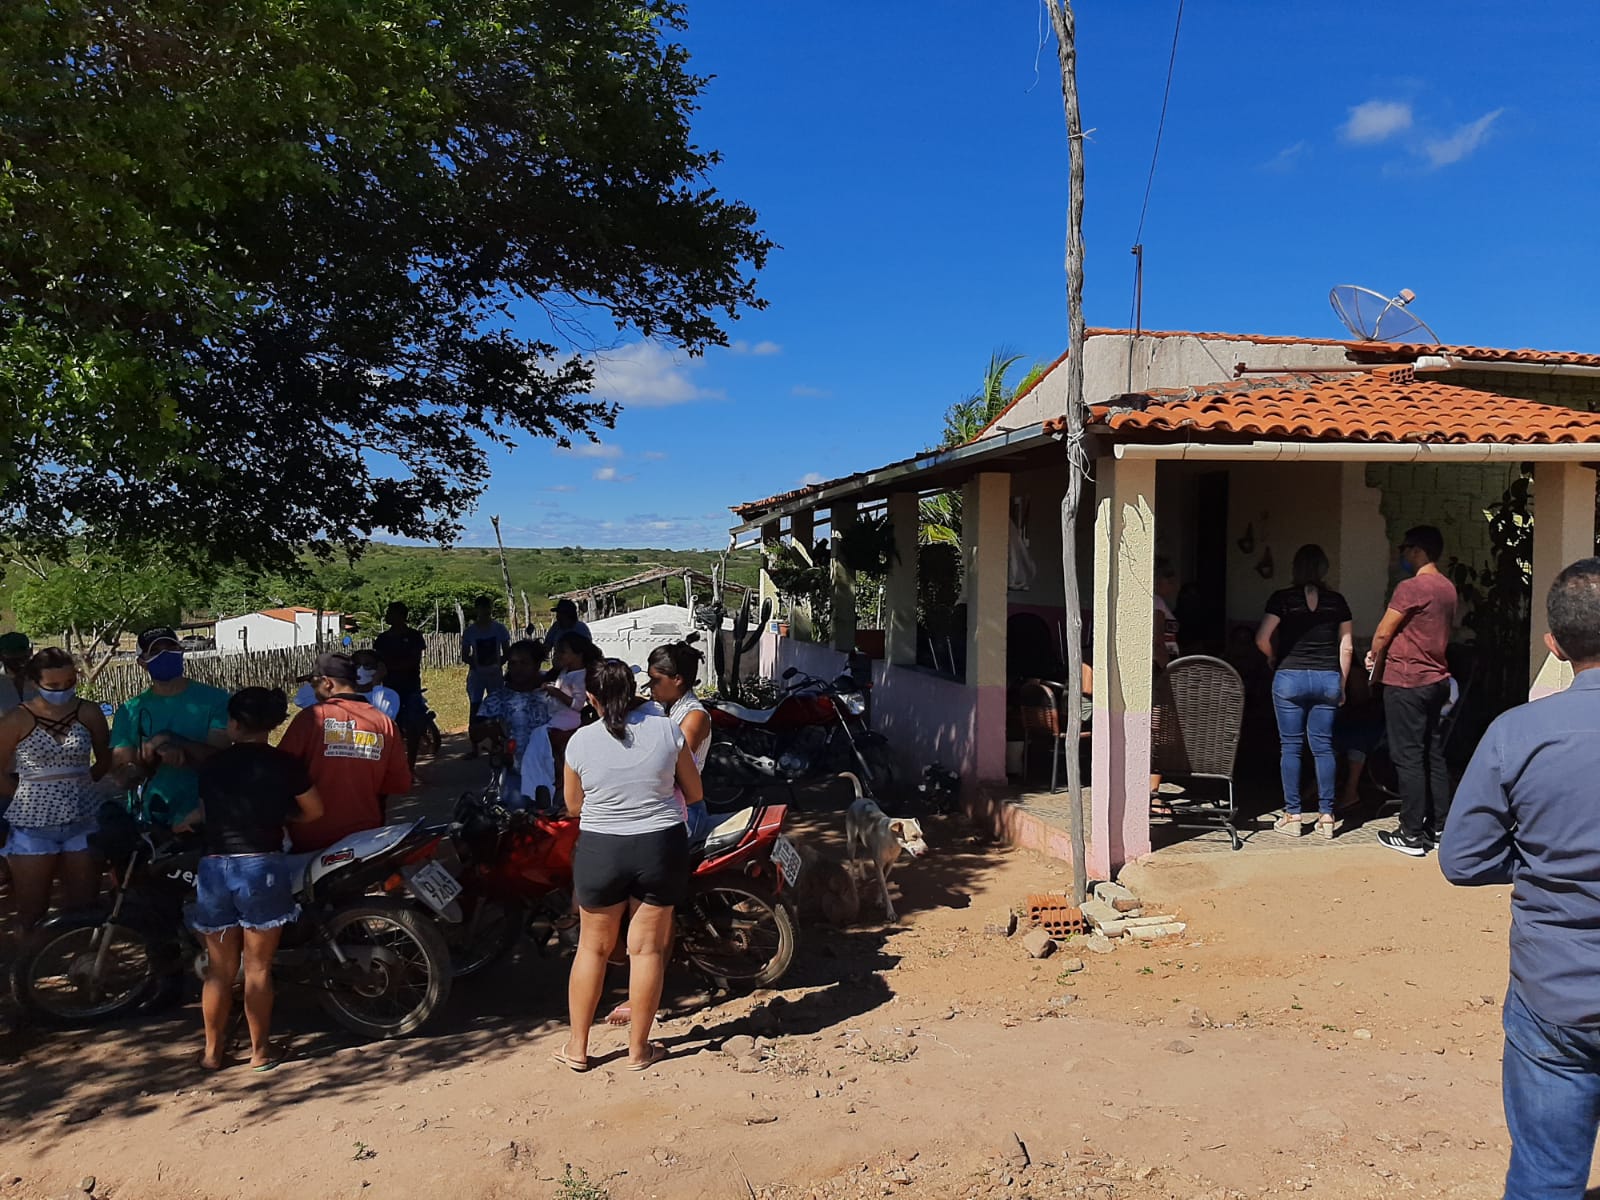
x,y
1138,288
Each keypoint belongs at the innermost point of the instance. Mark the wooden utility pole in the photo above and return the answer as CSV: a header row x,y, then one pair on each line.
x,y
505,573
1065,26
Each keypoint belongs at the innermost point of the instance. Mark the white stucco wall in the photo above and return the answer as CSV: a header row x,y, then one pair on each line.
x,y
1116,364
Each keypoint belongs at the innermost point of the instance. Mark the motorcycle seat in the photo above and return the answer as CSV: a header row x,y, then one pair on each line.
x,y
726,834
753,716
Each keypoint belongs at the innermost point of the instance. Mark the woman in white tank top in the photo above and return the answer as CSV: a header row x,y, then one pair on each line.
x,y
674,670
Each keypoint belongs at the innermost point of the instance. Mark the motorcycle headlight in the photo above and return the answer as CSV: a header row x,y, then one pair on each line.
x,y
854,703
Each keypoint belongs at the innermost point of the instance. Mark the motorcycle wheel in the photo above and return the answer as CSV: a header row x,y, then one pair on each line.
x,y
55,982
487,932
880,763
735,937
397,974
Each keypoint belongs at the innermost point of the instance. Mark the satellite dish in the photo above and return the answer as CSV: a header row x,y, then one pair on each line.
x,y
1374,317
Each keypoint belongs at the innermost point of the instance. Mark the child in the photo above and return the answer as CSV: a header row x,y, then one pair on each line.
x,y
567,695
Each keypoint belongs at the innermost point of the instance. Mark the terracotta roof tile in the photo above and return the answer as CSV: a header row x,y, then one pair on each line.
x,y
1386,405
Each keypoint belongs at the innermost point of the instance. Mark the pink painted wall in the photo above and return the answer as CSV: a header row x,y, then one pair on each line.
x,y
926,718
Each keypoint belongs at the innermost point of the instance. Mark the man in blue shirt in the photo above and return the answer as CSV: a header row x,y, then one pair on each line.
x,y
1525,814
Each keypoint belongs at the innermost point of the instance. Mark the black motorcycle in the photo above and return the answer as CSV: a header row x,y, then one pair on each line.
x,y
378,964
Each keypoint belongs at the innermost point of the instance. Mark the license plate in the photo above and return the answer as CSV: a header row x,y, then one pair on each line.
x,y
788,860
434,886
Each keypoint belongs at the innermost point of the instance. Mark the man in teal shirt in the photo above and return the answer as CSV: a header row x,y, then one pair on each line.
x,y
165,732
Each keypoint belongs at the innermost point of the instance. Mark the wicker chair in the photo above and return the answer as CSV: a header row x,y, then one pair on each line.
x,y
1039,708
1195,723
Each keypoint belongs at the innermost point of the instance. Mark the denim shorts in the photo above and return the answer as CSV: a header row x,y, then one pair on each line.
x,y
249,890
50,839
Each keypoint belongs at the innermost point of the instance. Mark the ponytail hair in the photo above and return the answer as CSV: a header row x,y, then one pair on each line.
x,y
677,660
610,681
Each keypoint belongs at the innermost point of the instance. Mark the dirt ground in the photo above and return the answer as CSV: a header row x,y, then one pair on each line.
x,y
1327,1025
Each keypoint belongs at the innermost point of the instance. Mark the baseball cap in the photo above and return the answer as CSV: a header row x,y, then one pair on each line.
x,y
160,633
332,666
14,643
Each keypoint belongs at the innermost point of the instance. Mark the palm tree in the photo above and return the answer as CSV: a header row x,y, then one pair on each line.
x,y
963,421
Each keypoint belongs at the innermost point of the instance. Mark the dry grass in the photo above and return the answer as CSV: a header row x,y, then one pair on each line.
x,y
447,696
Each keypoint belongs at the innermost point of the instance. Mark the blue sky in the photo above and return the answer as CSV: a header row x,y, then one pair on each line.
x,y
910,160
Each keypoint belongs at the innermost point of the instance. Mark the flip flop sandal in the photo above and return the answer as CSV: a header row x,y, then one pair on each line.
x,y
580,1065
657,1053
273,1065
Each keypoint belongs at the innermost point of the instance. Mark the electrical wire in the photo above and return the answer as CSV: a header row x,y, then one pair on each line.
x,y
1161,124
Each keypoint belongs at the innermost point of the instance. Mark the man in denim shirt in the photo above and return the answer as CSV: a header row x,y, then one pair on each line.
x,y
1526,814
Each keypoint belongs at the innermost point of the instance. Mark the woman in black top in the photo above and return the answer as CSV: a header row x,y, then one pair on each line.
x,y
243,893
1307,636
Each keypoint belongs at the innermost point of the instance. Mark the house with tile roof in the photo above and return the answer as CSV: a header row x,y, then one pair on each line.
x,y
277,629
1221,453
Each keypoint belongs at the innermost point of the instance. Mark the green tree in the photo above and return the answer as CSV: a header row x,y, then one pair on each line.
x,y
963,421
92,598
266,267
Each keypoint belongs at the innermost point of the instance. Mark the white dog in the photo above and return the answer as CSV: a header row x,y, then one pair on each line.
x,y
884,838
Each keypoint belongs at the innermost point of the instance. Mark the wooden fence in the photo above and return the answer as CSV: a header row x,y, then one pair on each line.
x,y
261,668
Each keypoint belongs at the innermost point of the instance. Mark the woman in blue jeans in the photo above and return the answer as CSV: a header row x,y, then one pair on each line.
x,y
1307,637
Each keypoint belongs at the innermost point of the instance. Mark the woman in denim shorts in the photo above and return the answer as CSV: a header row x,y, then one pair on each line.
x,y
62,746
243,893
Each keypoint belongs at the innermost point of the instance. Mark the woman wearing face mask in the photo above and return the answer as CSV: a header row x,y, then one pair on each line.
x,y
518,713
62,746
165,732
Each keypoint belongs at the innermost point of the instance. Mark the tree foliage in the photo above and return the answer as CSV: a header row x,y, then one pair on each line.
x,y
266,268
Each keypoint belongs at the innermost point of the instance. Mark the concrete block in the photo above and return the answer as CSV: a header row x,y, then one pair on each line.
x,y
1161,920
1114,894
1113,929
1038,944
1097,912
1098,943
1149,933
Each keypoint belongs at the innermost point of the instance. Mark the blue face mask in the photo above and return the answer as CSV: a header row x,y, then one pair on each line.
x,y
305,697
166,666
1406,567
64,696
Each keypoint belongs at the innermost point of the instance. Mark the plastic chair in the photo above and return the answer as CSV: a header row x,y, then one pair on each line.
x,y
1039,709
1196,718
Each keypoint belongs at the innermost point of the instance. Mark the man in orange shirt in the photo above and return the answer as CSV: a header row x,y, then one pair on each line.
x,y
353,753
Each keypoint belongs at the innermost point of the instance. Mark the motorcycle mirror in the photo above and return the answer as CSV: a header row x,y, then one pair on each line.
x,y
791,672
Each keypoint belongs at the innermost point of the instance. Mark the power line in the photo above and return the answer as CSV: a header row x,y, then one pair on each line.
x,y
1136,312
1161,125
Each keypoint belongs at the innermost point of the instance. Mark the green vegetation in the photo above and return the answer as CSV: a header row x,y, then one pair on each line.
x,y
95,597
274,274
574,1184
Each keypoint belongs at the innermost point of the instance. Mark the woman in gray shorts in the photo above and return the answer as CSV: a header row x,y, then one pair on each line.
x,y
624,777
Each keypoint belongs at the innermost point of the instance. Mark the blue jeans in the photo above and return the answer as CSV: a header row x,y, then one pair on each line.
x,y
1306,703
1551,1080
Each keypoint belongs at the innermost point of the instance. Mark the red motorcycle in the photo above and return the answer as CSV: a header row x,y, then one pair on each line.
x,y
816,729
735,929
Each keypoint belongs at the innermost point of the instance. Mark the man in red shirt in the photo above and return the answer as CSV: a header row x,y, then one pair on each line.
x,y
353,753
1409,652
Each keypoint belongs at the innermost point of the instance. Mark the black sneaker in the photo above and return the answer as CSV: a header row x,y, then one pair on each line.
x,y
1414,847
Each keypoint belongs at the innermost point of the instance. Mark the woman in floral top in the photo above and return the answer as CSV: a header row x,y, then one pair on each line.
x,y
519,713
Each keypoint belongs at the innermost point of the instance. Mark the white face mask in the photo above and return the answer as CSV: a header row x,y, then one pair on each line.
x,y
366,676
306,696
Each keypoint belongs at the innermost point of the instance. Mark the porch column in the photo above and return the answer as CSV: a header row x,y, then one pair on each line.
x,y
900,589
1124,615
802,532
985,545
1563,532
770,536
841,520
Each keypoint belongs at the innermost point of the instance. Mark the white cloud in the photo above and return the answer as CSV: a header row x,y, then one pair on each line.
x,y
761,349
592,450
647,375
653,455
1288,158
1441,152
812,477
611,475
811,393
561,487
1376,121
